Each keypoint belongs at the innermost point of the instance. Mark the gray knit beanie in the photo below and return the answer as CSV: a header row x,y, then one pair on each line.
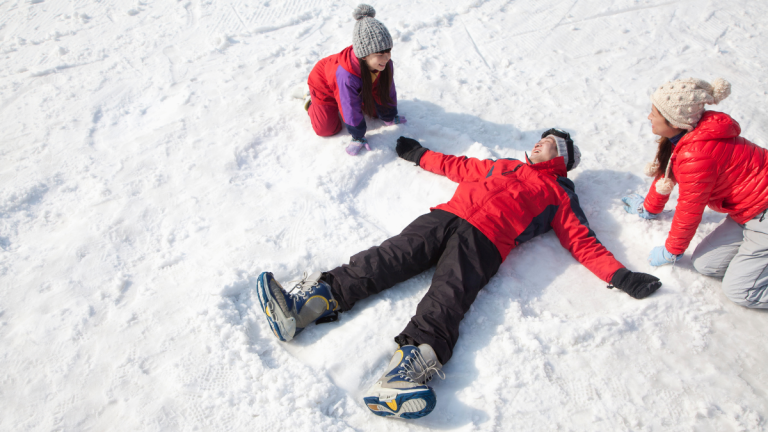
x,y
562,150
681,102
370,36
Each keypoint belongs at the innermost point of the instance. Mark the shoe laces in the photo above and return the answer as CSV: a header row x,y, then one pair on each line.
x,y
419,370
300,285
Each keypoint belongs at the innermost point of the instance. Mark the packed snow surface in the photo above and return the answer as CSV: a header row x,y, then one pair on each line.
x,y
154,160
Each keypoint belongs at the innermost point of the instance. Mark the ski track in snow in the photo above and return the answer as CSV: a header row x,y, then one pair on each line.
x,y
153,162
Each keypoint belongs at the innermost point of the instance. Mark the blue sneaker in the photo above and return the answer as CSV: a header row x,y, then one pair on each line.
x,y
289,313
402,391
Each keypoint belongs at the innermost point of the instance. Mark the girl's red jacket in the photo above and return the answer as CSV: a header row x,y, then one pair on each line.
x,y
713,166
335,80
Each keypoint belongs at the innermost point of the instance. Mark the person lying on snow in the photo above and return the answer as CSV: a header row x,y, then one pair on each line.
x,y
497,206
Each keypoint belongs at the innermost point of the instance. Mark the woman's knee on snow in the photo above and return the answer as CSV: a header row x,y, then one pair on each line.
x,y
709,263
736,294
744,293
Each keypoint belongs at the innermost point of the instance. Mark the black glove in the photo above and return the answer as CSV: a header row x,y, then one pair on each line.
x,y
638,285
410,149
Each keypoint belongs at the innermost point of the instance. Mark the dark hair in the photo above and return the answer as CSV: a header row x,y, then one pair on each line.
x,y
663,154
385,80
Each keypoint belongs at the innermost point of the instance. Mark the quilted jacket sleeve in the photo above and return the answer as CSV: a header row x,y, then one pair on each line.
x,y
696,174
456,168
654,201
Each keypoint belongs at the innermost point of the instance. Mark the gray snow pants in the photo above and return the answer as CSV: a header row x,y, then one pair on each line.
x,y
738,253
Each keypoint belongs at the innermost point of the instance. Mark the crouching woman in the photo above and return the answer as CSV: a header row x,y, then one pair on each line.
x,y
702,153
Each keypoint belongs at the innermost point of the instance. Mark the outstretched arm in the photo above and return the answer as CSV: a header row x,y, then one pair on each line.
x,y
456,168
572,229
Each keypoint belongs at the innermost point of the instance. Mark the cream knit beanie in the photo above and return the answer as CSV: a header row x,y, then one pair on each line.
x,y
681,102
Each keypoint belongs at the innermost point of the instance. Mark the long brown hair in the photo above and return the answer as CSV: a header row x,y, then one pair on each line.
x,y
663,154
385,80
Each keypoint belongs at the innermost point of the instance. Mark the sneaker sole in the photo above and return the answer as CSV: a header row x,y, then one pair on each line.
x,y
272,311
409,406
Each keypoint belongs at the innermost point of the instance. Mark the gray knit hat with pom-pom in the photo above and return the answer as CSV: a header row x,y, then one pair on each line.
x,y
370,36
681,102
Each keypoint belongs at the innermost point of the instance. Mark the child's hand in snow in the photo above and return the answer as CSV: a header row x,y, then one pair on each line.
x,y
356,145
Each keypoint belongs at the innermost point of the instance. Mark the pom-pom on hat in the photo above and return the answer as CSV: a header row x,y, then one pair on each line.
x,y
369,36
682,102
665,184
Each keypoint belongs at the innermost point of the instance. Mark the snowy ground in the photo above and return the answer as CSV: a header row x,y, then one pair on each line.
x,y
153,163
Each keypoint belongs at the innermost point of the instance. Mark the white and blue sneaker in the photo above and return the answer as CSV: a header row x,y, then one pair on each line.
x,y
402,391
288,313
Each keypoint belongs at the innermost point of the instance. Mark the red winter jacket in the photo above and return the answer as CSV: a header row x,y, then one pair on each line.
x,y
511,202
335,80
713,166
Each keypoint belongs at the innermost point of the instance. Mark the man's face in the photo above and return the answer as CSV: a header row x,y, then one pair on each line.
x,y
544,150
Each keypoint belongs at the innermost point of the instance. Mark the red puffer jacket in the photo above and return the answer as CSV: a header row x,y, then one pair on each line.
x,y
512,202
713,166
335,80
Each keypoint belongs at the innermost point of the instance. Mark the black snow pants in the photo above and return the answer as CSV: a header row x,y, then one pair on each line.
x,y
465,261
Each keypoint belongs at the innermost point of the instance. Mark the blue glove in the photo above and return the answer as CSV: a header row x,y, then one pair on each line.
x,y
633,204
660,256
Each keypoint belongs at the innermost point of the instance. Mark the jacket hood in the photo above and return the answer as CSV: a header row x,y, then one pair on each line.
x,y
555,166
713,125
349,62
